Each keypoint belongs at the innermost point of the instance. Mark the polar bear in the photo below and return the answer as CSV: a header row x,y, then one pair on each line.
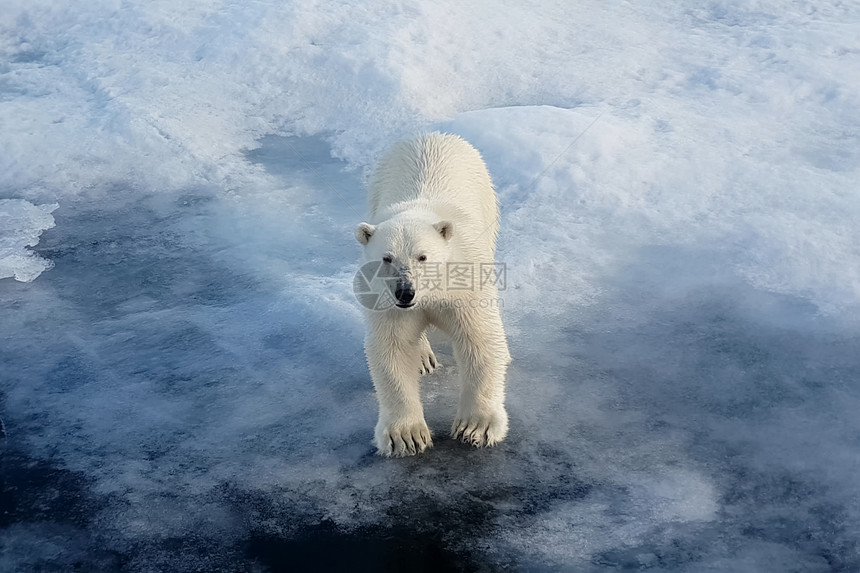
x,y
431,233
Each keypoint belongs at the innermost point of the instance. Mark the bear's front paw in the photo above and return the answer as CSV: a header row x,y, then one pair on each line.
x,y
402,438
481,428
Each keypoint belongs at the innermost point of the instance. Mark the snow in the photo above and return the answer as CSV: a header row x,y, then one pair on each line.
x,y
182,380
21,223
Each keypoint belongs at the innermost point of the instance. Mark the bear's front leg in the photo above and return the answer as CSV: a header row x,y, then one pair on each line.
x,y
482,356
395,367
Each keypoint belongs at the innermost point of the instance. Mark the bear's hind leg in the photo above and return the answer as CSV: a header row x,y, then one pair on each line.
x,y
428,359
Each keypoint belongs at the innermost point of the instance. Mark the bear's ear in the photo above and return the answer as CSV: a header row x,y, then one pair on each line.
x,y
364,232
445,228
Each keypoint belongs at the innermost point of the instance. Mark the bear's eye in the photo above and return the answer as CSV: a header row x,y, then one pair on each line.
x,y
422,258
387,259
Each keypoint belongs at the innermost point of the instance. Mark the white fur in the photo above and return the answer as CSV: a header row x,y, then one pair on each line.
x,y
432,196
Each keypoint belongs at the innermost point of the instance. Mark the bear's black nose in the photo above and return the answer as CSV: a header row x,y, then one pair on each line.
x,y
404,292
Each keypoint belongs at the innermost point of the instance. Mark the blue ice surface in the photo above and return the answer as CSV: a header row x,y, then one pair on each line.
x,y
165,409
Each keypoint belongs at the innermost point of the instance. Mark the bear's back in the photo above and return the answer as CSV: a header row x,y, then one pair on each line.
x,y
440,169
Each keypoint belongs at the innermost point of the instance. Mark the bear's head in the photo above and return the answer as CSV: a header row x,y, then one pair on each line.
x,y
413,252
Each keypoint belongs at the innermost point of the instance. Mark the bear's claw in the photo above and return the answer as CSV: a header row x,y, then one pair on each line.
x,y
481,430
403,440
